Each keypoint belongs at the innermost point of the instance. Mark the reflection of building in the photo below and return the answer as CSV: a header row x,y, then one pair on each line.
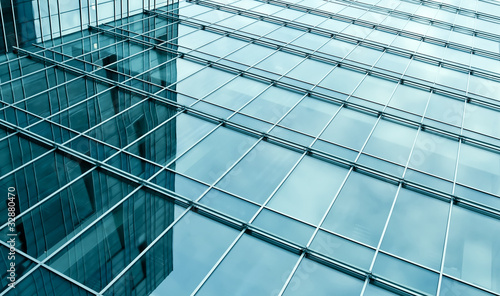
x,y
319,147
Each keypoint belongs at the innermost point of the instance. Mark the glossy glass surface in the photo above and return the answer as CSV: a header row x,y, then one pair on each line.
x,y
309,190
417,223
361,209
252,265
472,253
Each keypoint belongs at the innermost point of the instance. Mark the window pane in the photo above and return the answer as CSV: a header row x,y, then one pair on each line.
x,y
361,209
405,273
342,249
349,128
312,278
252,265
479,168
259,173
214,155
473,249
309,190
417,223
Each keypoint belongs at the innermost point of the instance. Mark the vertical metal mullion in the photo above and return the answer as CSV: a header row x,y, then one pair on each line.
x,y
14,23
3,29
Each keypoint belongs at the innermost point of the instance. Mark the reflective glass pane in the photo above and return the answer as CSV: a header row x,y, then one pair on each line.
x,y
342,80
267,164
405,273
213,155
179,260
417,228
434,154
309,116
391,141
361,209
349,128
479,168
272,104
309,190
312,278
473,252
252,265
342,249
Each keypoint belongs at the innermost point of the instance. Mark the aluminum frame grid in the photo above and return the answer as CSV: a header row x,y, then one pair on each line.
x,y
194,205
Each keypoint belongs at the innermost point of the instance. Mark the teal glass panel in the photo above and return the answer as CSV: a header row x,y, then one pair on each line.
x,y
361,209
309,190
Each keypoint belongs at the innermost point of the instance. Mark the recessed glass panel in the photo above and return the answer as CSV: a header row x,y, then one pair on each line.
x,y
203,82
279,62
451,287
259,173
250,54
361,209
252,265
472,249
312,278
309,190
310,71
417,223
171,139
445,109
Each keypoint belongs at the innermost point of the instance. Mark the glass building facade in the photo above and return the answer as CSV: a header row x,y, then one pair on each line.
x,y
250,147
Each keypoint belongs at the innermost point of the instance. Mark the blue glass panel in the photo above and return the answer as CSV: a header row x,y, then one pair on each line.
x,y
309,190
214,155
434,154
310,116
179,260
349,128
342,249
361,209
259,173
252,265
236,93
479,168
312,278
417,223
272,104
405,273
342,80
472,250
391,141
451,287
229,205
284,227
